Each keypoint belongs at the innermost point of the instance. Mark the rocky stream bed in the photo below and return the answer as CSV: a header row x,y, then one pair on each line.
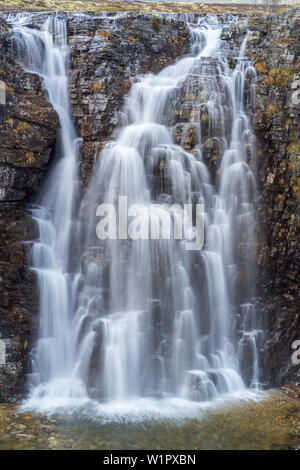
x,y
270,424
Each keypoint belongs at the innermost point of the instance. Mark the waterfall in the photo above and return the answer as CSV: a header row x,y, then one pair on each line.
x,y
45,52
126,319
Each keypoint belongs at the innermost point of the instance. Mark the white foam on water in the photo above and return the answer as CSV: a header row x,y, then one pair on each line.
x,y
137,411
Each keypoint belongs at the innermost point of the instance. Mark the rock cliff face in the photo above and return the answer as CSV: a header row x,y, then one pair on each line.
x,y
105,57
274,45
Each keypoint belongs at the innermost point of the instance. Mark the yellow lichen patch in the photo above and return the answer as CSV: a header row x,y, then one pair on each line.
x,y
269,81
296,188
22,127
131,38
8,88
273,108
279,77
10,122
205,117
292,165
294,148
105,34
96,86
283,41
261,67
30,158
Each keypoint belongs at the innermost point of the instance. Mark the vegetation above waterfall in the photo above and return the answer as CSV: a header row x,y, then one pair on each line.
x,y
146,6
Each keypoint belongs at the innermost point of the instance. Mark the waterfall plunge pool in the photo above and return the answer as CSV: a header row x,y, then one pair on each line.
x,y
268,421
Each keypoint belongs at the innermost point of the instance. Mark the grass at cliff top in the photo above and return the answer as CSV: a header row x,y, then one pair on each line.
x,y
123,5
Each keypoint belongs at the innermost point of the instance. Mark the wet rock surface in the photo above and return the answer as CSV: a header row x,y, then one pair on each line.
x,y
106,55
274,45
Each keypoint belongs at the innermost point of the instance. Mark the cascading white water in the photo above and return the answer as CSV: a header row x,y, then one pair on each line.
x,y
45,52
147,318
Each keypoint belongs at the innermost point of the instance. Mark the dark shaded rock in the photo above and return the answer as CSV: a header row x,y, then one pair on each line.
x,y
276,124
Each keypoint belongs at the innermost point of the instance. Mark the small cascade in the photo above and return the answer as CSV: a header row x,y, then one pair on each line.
x,y
45,52
122,319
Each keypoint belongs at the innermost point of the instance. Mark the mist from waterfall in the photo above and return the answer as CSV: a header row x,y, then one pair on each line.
x,y
126,320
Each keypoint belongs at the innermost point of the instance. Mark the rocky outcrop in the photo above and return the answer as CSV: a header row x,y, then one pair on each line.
x,y
274,45
106,55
